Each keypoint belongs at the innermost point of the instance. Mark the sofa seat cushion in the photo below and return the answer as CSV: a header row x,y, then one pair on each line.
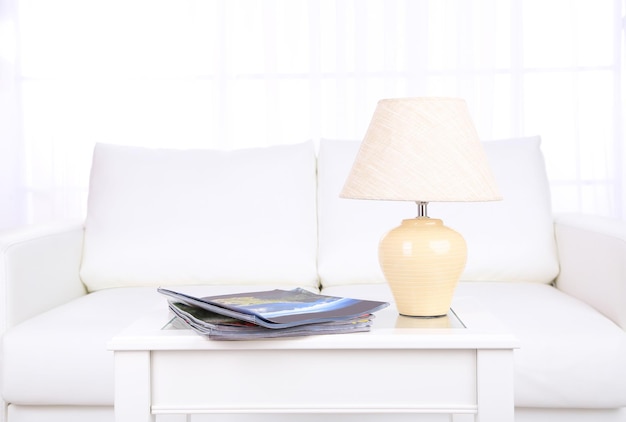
x,y
60,357
570,355
508,240
165,216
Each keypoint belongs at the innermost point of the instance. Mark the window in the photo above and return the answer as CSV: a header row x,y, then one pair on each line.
x,y
246,73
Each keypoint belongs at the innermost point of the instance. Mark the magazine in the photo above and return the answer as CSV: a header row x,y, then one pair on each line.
x,y
220,327
279,309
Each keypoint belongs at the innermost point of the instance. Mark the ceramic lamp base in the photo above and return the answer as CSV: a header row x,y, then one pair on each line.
x,y
422,261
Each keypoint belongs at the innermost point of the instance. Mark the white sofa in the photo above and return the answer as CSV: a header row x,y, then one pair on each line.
x,y
212,222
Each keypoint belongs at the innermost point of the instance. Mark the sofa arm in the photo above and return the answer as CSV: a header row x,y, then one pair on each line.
x,y
592,255
39,269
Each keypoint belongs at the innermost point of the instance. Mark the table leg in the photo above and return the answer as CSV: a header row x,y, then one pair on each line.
x,y
495,380
132,387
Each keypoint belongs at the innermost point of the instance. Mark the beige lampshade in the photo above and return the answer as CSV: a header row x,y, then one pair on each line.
x,y
421,149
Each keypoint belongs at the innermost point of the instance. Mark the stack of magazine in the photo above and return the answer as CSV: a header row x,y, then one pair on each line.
x,y
271,313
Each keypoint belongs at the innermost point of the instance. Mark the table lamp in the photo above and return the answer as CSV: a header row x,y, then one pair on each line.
x,y
422,150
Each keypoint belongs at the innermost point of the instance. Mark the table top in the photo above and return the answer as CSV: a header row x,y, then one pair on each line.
x,y
466,326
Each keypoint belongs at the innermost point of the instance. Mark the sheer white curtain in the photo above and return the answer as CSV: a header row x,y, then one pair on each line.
x,y
246,73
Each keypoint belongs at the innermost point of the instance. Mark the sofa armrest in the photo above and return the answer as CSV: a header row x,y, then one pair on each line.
x,y
592,255
39,269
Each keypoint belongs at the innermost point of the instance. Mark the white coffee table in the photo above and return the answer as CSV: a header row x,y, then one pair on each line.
x,y
461,365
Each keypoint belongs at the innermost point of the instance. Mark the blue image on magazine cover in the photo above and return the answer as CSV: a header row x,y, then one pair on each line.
x,y
277,309
283,303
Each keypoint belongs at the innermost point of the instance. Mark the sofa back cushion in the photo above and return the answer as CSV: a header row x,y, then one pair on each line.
x,y
508,240
174,217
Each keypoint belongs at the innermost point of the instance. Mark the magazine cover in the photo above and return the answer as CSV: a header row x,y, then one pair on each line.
x,y
281,308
